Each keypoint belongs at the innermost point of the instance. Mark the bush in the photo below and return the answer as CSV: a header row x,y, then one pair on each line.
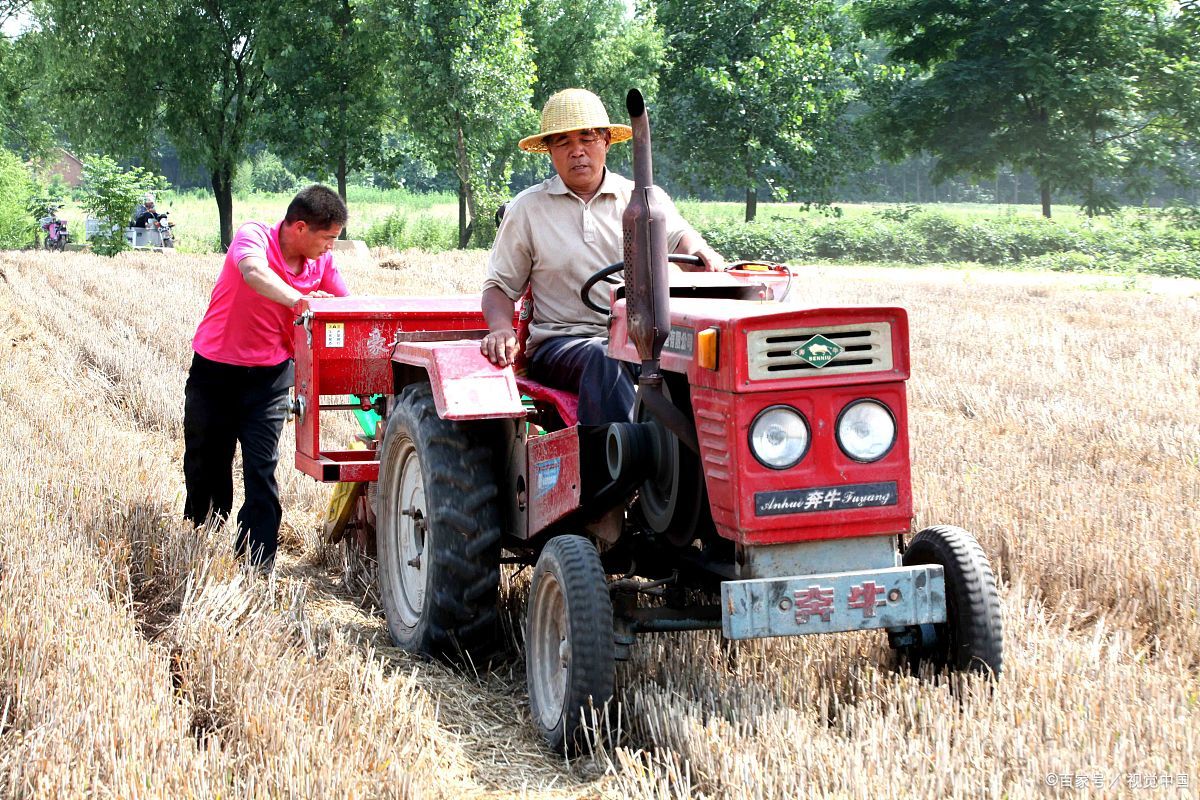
x,y
110,195
402,231
17,227
264,173
780,240
270,175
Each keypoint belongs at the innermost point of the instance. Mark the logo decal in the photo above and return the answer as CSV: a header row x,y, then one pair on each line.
x,y
377,346
829,498
818,351
681,340
547,475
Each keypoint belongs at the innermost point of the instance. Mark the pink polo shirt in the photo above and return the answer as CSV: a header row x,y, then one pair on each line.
x,y
242,327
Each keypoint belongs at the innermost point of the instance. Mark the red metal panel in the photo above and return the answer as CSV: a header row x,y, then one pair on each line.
x,y
331,470
734,319
731,471
465,384
344,347
552,479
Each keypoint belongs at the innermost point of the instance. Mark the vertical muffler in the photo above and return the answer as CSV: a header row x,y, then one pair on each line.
x,y
647,287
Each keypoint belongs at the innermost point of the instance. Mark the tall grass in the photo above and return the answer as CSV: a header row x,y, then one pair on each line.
x,y
1055,421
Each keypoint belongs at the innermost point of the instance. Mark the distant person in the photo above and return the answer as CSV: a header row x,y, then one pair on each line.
x,y
241,371
146,213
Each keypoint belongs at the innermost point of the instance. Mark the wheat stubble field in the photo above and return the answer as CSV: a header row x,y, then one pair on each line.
x,y
1058,421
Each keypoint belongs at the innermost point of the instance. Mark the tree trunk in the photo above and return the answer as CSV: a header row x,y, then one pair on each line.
x,y
466,196
1046,199
462,215
222,184
341,180
751,204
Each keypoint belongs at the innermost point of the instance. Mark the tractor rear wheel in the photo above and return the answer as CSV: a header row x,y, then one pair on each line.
x,y
437,531
971,638
569,652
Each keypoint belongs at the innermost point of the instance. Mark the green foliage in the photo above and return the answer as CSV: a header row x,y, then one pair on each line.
x,y
1061,89
264,173
927,236
24,126
758,93
468,75
333,88
194,70
595,46
403,230
17,225
110,195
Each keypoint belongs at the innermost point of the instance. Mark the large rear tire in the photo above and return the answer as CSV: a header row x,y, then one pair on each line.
x,y
971,639
569,652
437,532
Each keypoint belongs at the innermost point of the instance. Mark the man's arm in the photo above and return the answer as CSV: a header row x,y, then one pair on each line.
x,y
262,279
693,244
500,345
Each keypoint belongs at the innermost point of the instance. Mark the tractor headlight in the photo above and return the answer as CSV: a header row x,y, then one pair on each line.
x,y
779,437
866,430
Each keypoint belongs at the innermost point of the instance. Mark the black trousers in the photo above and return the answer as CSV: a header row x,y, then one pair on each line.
x,y
606,387
225,405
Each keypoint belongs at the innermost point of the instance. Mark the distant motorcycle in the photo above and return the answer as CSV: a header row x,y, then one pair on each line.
x,y
164,229
57,235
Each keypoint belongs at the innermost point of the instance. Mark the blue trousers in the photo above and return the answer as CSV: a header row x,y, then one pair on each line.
x,y
606,387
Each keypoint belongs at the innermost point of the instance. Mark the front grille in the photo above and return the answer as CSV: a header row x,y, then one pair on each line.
x,y
866,347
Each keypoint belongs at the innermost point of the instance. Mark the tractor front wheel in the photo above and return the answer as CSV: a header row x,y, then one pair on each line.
x,y
437,531
569,653
971,639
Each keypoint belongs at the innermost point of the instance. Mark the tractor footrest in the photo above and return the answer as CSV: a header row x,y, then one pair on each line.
x,y
335,466
828,603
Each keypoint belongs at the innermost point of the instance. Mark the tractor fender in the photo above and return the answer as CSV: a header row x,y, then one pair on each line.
x,y
465,384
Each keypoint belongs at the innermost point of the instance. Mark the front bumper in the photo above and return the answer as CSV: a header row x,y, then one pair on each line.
x,y
896,597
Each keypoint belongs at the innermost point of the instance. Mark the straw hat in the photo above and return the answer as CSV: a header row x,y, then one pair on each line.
x,y
573,110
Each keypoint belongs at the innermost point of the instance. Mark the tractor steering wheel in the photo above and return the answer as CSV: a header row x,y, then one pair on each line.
x,y
585,293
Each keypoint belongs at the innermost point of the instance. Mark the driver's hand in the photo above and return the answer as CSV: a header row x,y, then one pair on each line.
x,y
713,261
500,347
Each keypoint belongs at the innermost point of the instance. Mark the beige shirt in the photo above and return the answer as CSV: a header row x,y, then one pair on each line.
x,y
553,240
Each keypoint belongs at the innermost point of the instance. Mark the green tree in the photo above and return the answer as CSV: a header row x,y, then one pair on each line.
x,y
467,77
110,194
194,68
24,124
333,90
16,191
1054,88
597,46
757,92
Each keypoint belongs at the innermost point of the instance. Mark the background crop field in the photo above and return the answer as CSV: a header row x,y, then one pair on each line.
x,y
1055,416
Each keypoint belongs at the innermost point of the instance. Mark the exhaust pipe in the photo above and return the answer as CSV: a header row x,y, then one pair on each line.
x,y
647,287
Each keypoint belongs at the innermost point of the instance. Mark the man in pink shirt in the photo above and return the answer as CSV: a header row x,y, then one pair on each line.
x,y
238,384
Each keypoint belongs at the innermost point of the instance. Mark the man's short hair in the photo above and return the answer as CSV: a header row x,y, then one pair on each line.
x,y
319,206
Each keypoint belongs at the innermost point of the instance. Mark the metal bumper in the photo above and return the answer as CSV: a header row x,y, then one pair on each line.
x,y
839,601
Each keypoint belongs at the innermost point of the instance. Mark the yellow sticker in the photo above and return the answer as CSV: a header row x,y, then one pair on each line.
x,y
335,334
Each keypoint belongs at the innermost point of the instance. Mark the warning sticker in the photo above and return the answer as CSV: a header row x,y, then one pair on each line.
x,y
335,334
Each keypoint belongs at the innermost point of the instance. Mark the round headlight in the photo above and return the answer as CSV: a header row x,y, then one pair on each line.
x,y
779,437
866,430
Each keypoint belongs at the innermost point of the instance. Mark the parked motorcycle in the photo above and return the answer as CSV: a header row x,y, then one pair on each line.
x,y
57,235
164,229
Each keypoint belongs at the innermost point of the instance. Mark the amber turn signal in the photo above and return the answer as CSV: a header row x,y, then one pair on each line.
x,y
706,348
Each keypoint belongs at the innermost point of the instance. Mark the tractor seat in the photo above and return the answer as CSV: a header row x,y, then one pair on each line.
x,y
564,402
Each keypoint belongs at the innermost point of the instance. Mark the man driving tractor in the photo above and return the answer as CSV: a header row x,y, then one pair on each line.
x,y
553,236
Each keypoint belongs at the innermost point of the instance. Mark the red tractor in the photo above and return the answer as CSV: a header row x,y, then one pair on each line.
x,y
764,489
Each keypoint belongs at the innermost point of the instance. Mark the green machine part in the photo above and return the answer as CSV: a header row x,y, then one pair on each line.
x,y
370,418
